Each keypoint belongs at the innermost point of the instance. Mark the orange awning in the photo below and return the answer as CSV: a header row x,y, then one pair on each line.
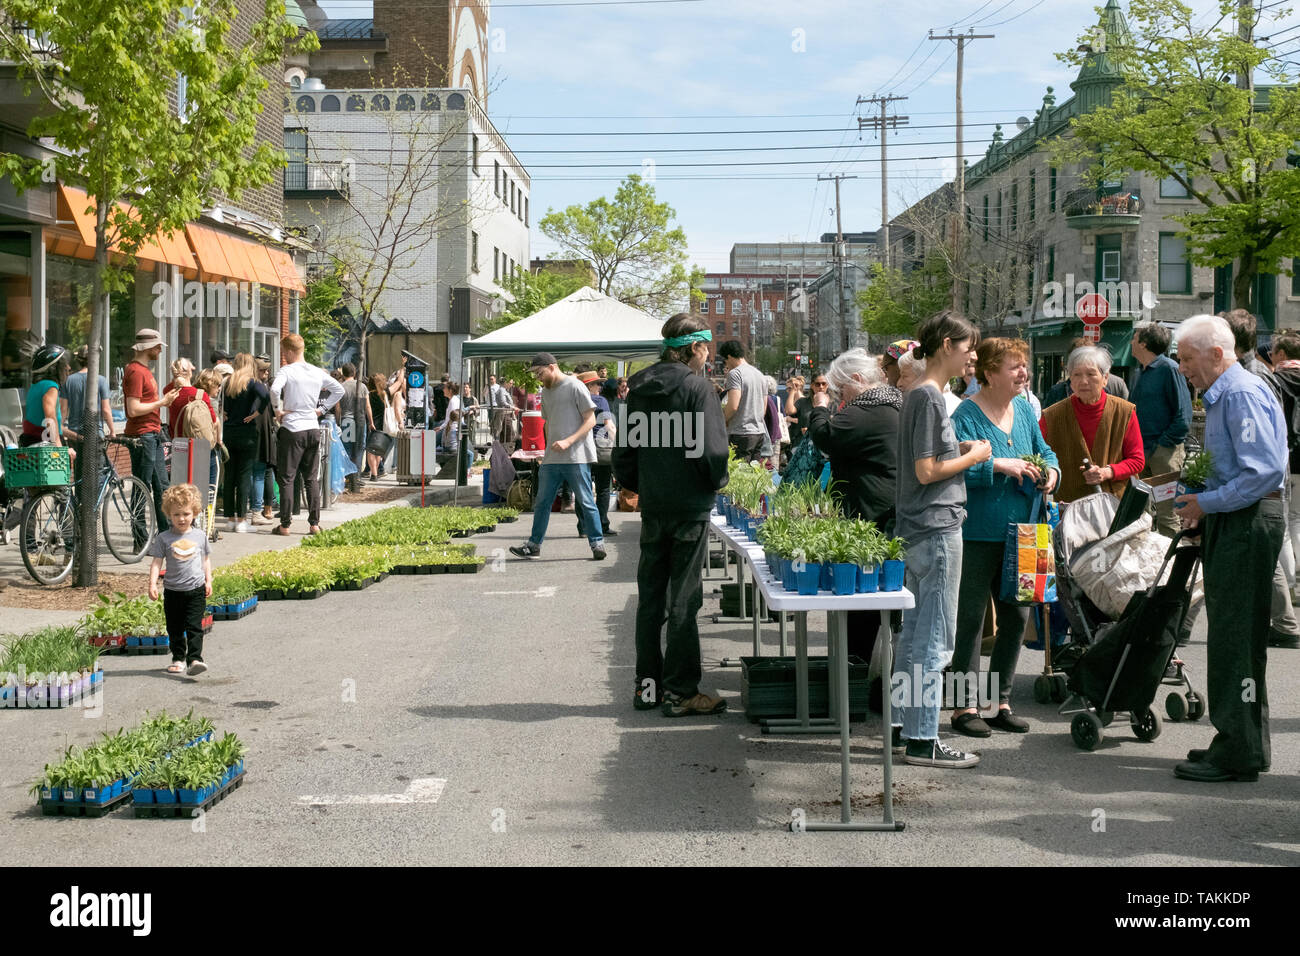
x,y
207,247
166,249
288,272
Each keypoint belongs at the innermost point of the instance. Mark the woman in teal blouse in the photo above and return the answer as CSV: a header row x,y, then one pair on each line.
x,y
995,496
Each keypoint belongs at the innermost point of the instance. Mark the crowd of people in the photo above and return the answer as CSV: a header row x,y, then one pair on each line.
x,y
942,442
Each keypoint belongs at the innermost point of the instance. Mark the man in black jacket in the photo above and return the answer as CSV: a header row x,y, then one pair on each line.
x,y
672,451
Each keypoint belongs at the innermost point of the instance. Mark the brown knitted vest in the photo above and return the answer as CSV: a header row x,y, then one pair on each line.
x,y
1062,431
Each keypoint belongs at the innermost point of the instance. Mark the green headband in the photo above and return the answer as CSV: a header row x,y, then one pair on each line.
x,y
705,336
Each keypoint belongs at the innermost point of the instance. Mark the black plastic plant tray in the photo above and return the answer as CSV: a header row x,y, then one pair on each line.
x,y
304,595
174,811
95,810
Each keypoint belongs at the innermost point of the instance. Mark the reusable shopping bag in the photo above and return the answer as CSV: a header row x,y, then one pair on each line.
x,y
1029,563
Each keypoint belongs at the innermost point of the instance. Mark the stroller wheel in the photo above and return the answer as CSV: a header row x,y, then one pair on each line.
x,y
1105,716
1043,689
1086,731
1197,707
1146,725
1177,706
1060,688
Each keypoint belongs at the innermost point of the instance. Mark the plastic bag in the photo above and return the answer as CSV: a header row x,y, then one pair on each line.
x,y
340,464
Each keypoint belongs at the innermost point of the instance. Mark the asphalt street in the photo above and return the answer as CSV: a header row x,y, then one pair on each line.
x,y
487,719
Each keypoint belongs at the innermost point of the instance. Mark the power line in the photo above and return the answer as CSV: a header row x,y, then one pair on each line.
x,y
769,162
994,13
559,3
969,15
1016,17
912,72
903,65
946,61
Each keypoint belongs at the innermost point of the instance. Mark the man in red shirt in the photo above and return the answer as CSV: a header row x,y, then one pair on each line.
x,y
140,395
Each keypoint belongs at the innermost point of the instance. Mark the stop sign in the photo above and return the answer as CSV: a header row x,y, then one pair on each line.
x,y
1092,309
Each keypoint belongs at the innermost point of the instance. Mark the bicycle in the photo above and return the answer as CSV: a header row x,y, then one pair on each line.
x,y
49,530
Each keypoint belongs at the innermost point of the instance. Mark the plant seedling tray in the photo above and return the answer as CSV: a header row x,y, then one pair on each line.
x,y
238,615
62,808
354,585
270,595
462,568
768,687
174,811
305,595
510,520
16,698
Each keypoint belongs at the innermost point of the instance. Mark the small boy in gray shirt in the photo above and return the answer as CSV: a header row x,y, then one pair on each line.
x,y
186,554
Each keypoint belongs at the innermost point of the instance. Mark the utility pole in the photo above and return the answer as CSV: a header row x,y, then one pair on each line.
x,y
1246,33
839,258
882,123
959,215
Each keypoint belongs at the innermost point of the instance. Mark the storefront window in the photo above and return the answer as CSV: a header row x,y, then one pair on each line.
x,y
69,291
16,332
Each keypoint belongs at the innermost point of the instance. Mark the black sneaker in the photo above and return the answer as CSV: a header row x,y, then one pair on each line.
x,y
598,553
639,701
897,744
1278,639
527,550
935,753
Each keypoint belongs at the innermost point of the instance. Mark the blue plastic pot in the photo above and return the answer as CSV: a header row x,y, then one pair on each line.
x,y
186,795
51,796
868,579
891,576
844,578
142,795
133,641
789,580
827,579
809,577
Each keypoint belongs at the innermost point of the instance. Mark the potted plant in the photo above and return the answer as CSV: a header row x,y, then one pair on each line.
x,y
867,553
840,555
1196,473
892,567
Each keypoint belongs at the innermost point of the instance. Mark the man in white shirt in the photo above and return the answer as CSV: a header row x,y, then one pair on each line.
x,y
296,395
498,400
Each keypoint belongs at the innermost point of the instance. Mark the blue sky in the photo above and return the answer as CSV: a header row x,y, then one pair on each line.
x,y
723,66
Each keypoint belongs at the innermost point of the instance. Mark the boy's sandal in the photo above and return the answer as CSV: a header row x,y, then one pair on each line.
x,y
176,667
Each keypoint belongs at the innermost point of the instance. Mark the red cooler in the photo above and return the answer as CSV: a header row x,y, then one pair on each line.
x,y
534,427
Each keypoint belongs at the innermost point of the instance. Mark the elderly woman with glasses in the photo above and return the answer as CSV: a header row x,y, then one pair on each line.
x,y
1095,426
861,441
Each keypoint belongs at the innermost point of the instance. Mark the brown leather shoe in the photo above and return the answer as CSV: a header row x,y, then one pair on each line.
x,y
699,705
314,529
280,530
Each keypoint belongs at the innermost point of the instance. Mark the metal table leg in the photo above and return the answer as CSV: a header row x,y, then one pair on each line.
x,y
837,622
743,618
802,723
781,627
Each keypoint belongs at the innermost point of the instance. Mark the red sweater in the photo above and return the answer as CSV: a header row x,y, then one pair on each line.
x,y
1089,417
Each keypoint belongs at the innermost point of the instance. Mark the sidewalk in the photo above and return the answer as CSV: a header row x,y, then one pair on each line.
x,y
15,582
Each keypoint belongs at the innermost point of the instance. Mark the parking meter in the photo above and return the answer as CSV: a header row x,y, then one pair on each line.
x,y
417,377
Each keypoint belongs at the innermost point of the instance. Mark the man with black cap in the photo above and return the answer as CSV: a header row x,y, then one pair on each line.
x,y
570,416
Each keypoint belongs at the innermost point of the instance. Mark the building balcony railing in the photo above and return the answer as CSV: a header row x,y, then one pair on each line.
x,y
1093,209
316,178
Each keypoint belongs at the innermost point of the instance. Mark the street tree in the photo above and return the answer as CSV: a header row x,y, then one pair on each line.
x,y
638,254
1185,108
318,314
106,73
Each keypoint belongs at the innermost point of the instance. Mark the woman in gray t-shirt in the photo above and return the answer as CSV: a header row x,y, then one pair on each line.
x,y
930,502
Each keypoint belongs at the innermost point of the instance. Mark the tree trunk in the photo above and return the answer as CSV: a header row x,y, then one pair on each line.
x,y
88,553
1243,283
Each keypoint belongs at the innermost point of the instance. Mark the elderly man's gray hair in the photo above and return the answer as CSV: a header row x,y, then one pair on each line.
x,y
1093,355
1202,332
857,362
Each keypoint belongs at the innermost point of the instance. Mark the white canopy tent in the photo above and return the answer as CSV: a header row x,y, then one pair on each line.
x,y
584,326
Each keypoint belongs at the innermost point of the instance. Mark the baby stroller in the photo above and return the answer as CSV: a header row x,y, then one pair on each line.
x,y
1124,619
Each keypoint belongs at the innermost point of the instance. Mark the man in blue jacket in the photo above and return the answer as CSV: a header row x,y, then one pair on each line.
x,y
1164,411
672,451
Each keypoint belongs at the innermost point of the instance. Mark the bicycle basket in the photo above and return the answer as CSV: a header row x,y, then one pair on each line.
x,y
37,466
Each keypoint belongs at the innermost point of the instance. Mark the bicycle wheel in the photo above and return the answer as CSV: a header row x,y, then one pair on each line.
x,y
126,513
48,541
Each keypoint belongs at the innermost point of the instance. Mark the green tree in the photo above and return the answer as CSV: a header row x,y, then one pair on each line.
x,y
897,300
316,320
106,71
1181,109
638,254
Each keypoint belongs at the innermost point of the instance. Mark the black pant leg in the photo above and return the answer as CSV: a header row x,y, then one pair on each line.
x,y
311,474
195,604
289,451
176,612
652,577
602,476
685,597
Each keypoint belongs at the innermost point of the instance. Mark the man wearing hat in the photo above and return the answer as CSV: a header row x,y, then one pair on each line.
x,y
570,415
221,363
140,395
74,398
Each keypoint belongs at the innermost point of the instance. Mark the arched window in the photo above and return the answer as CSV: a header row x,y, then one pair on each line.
x,y
329,104
429,102
455,102
356,103
406,103
379,102
306,104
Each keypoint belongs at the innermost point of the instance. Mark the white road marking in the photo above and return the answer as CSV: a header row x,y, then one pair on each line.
x,y
420,790
542,592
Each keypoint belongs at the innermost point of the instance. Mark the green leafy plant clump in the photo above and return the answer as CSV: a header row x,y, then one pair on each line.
x,y
50,650
1038,461
122,615
401,525
230,589
434,554
1197,470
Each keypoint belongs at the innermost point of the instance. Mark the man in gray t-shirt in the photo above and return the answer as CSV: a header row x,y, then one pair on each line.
x,y
570,415
746,402
925,431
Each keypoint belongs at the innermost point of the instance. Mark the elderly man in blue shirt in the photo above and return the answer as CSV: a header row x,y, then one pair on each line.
x,y
1243,520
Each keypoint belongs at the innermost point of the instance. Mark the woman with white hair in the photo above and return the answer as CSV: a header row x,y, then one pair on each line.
x,y
777,433
1095,426
861,440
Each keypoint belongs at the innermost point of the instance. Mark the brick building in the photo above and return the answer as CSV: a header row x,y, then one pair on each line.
x,y
753,309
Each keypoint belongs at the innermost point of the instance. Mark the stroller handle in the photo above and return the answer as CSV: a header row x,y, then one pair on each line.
x,y
1087,464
